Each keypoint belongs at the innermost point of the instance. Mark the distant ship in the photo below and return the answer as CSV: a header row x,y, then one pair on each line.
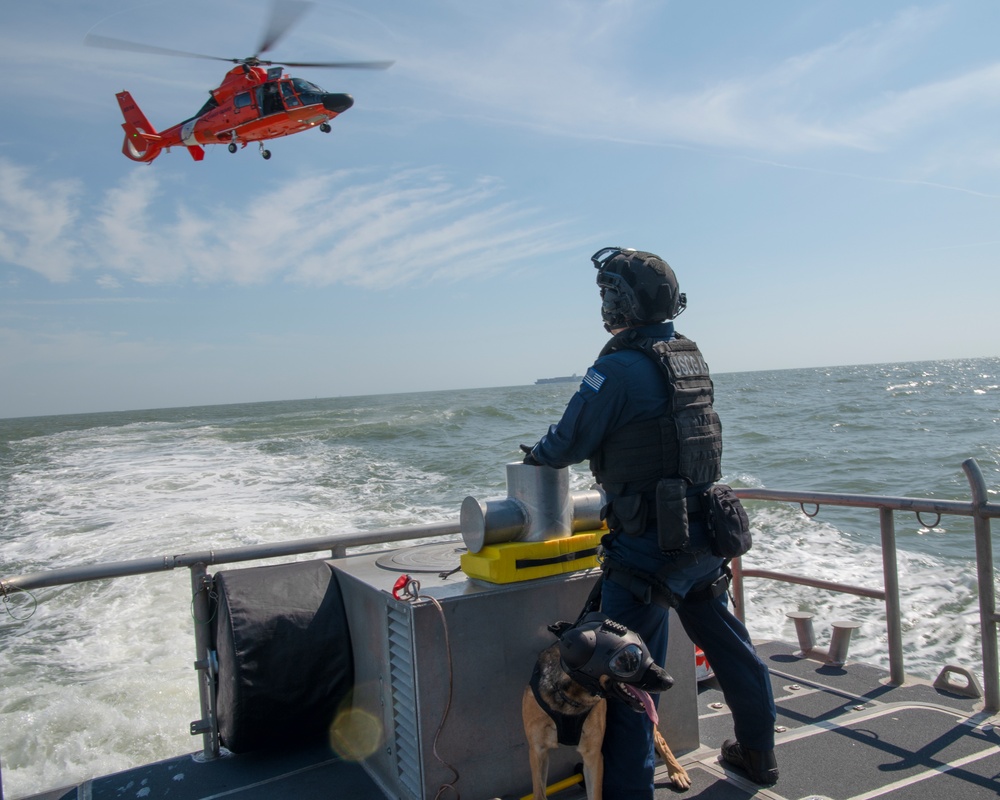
x,y
562,379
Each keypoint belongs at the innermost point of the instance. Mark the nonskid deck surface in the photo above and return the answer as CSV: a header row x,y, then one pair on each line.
x,y
843,735
307,772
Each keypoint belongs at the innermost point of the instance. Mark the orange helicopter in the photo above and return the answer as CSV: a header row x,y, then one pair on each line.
x,y
256,101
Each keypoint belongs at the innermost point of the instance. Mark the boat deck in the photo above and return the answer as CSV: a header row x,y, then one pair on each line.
x,y
843,734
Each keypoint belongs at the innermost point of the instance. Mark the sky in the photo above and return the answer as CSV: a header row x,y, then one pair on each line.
x,y
823,177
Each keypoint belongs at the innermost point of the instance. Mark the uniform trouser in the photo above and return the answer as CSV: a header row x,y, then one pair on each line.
x,y
629,758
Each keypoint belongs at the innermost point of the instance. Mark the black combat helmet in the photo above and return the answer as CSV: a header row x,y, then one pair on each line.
x,y
637,288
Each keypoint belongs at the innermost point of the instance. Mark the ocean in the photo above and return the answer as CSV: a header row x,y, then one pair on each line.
x,y
98,676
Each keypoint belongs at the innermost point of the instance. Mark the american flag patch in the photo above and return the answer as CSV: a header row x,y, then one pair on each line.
x,y
593,379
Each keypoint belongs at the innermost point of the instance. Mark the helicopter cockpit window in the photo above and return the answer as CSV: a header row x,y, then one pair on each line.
x,y
308,92
290,99
242,100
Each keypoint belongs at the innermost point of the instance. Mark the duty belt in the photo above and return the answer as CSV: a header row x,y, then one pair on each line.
x,y
650,588
695,508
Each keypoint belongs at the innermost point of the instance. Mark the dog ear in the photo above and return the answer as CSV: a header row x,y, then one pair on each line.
x,y
559,628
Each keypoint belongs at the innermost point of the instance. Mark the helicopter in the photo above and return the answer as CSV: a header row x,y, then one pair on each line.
x,y
256,101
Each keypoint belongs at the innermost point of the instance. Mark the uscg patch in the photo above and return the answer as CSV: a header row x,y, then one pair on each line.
x,y
593,379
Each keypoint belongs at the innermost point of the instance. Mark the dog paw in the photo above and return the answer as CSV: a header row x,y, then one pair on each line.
x,y
680,778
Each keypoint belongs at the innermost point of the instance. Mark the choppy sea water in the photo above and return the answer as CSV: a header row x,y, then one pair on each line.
x,y
98,677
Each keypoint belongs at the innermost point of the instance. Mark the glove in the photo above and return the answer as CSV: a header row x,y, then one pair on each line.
x,y
529,458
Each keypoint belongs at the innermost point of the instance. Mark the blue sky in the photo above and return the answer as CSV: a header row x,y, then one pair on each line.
x,y
824,177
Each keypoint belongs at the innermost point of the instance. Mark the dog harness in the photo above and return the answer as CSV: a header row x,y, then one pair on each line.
x,y
569,727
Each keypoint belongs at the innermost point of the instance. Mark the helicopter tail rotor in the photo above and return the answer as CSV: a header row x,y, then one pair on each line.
x,y
142,142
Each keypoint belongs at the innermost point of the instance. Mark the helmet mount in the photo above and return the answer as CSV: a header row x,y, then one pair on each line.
x,y
637,288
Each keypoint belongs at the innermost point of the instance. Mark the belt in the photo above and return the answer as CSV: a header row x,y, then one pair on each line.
x,y
695,509
648,589
643,586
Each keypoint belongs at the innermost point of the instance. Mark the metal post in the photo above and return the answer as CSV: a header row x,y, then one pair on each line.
x,y
890,578
987,591
840,642
803,630
207,726
736,589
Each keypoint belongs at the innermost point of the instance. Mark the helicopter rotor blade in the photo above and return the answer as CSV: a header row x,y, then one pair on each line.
x,y
284,14
110,43
337,64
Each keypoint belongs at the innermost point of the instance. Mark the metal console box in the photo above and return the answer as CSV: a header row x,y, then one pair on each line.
x,y
445,678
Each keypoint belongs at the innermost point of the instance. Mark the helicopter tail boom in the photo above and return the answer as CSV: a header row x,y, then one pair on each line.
x,y
142,142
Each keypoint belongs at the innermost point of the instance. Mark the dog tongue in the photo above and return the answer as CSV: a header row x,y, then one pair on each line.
x,y
647,702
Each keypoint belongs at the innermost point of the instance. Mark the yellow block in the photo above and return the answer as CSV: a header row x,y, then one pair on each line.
x,y
510,562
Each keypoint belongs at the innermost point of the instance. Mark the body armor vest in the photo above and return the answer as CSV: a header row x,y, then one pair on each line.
x,y
684,443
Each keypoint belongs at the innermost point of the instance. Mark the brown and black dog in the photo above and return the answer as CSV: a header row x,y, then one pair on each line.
x,y
563,708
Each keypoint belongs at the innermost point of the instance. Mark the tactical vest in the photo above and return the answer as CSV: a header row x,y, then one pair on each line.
x,y
684,443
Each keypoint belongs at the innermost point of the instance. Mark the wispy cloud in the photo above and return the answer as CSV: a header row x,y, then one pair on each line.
x,y
37,221
342,227
592,71
905,111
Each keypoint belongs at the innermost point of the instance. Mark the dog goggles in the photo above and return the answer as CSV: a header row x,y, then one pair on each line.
x,y
629,662
599,646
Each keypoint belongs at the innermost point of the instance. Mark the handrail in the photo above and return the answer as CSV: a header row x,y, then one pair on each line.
x,y
988,618
197,562
979,509
337,544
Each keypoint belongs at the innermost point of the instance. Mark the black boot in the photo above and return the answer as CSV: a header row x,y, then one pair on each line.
x,y
760,765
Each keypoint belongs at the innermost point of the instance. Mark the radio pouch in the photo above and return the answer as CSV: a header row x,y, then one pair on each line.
x,y
728,525
671,514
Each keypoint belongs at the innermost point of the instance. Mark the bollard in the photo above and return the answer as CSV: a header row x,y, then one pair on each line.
x,y
803,630
840,641
538,507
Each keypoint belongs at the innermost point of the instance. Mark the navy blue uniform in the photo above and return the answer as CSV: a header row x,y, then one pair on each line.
x,y
622,387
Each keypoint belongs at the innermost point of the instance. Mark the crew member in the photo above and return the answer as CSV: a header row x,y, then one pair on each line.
x,y
643,417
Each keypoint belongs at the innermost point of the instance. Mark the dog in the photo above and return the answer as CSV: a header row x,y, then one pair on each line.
x,y
565,702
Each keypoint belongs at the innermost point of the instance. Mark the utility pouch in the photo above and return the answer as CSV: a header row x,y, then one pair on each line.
x,y
671,514
627,514
728,525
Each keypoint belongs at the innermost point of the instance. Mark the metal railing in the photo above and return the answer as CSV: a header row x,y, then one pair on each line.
x,y
198,562
979,509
